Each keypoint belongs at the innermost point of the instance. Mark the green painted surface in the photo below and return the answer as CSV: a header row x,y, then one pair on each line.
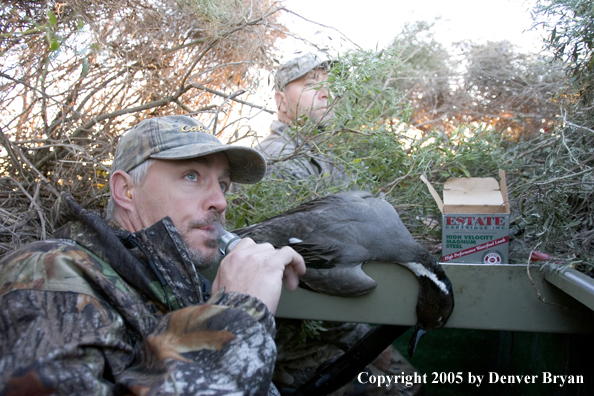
x,y
505,353
487,297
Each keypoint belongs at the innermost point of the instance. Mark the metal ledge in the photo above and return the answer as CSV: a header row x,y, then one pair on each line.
x,y
490,297
578,285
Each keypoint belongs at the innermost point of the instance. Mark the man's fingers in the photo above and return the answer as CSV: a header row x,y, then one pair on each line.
x,y
294,259
294,266
259,270
290,278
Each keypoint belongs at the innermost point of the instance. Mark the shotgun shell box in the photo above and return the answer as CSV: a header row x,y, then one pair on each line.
x,y
475,226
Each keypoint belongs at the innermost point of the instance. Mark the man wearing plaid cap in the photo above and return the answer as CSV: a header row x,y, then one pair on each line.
x,y
119,307
302,101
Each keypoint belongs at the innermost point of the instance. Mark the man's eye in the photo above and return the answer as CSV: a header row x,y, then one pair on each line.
x,y
224,187
192,176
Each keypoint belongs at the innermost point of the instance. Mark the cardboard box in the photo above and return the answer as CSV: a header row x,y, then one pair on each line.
x,y
475,226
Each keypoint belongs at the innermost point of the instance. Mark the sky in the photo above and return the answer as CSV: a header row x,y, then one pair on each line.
x,y
372,23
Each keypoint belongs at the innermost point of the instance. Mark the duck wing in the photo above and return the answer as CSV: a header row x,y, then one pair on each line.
x,y
340,281
329,271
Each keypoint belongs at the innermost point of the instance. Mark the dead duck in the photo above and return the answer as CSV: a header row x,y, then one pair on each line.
x,y
336,234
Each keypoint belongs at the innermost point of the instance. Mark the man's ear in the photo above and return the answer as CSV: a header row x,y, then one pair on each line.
x,y
282,105
122,189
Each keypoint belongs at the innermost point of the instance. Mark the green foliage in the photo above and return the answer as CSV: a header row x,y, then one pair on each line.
x,y
571,27
554,193
250,204
370,138
363,99
556,186
310,329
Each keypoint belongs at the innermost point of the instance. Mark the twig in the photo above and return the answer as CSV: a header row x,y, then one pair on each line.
x,y
354,131
39,212
540,297
33,204
319,24
231,97
540,147
198,41
581,164
567,147
14,150
394,183
4,141
213,123
85,127
26,85
219,66
224,36
563,177
578,126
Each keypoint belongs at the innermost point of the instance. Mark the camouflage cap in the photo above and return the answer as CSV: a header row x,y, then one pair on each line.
x,y
182,137
298,67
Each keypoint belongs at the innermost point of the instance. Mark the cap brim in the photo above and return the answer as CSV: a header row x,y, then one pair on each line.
x,y
247,165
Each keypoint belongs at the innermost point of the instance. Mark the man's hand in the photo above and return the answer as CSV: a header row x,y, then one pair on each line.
x,y
259,270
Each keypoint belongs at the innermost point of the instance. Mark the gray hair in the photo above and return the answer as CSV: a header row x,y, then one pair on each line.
x,y
138,175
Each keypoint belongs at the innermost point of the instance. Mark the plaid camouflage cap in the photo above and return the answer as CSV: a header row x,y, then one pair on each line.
x,y
298,67
182,137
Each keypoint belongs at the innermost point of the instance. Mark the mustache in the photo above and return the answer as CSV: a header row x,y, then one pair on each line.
x,y
211,218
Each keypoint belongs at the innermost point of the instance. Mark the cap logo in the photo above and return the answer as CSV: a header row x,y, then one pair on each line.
x,y
198,128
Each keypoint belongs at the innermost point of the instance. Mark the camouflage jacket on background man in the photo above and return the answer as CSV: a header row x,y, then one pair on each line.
x,y
85,315
280,143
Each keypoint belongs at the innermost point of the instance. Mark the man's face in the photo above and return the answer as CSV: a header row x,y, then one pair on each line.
x,y
192,193
306,96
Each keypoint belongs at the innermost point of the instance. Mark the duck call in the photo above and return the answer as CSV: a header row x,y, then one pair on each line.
x,y
227,240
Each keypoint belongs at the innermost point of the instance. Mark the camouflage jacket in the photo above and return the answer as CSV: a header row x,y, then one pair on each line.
x,y
281,143
85,315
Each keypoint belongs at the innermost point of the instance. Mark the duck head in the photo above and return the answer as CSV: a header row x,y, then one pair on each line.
x,y
435,302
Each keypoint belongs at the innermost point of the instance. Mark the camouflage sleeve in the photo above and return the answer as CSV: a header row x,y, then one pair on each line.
x,y
59,343
252,306
71,343
195,350
235,354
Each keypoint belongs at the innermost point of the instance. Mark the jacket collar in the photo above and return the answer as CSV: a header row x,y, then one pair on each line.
x,y
280,128
130,255
284,132
164,245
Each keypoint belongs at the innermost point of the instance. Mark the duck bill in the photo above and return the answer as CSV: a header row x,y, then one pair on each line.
x,y
414,340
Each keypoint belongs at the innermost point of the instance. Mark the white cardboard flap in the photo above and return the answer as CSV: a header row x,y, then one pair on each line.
x,y
472,195
471,184
434,193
